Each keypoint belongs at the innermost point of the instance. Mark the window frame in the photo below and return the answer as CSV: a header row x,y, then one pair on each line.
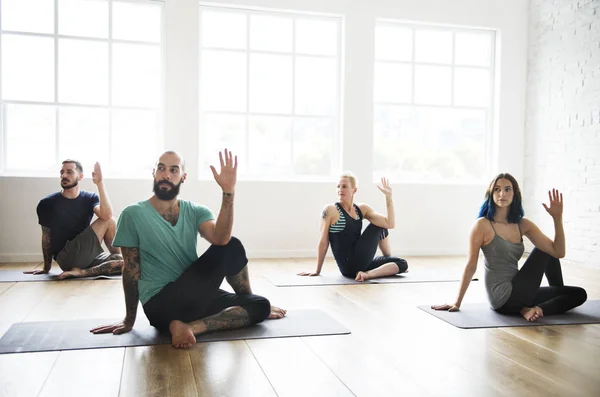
x,y
111,169
491,111
336,118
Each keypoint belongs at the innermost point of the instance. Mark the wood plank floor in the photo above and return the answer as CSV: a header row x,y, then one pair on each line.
x,y
394,349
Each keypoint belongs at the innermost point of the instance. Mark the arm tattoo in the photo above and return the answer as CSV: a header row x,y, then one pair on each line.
x,y
240,282
46,247
224,222
230,318
131,275
324,214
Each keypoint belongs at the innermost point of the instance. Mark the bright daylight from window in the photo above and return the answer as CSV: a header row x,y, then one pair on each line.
x,y
82,81
270,91
433,103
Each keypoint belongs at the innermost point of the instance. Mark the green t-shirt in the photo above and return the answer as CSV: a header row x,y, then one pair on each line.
x,y
165,250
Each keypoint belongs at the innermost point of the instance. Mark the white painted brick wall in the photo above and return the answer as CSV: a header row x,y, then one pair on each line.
x,y
562,134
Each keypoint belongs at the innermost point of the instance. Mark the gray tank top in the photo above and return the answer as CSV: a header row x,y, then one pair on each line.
x,y
501,259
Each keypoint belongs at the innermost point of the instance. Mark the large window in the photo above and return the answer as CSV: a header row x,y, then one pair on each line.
x,y
270,91
433,102
80,79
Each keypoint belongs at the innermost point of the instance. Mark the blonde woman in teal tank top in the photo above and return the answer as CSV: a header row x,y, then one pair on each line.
x,y
499,232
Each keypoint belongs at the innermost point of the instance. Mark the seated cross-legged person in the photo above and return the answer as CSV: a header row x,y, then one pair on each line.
x,y
68,236
180,292
354,250
499,232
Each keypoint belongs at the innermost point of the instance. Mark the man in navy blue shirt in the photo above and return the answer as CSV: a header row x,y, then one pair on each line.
x,y
68,236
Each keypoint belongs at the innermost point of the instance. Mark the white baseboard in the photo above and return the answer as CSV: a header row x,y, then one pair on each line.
x,y
14,258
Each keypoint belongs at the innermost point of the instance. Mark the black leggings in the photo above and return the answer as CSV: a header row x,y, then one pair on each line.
x,y
196,294
526,290
364,251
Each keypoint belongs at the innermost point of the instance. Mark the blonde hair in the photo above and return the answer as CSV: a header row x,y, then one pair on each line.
x,y
350,176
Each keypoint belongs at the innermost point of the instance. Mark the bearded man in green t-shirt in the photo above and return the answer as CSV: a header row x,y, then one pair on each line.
x,y
180,292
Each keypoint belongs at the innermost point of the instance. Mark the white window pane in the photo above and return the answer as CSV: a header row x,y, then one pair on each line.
x,y
30,134
82,72
223,81
433,85
136,21
270,146
136,75
393,82
271,33
433,46
395,129
83,135
270,83
218,132
316,36
472,87
134,141
316,86
313,146
223,29
88,18
35,16
473,49
430,144
393,43
27,68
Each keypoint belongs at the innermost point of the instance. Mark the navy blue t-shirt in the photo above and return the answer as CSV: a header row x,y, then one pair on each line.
x,y
65,217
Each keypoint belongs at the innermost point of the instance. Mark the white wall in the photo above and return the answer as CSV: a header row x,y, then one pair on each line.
x,y
276,219
563,121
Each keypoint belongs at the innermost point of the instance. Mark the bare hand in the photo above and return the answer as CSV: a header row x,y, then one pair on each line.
x,y
97,173
308,274
116,329
556,203
450,308
43,271
228,176
277,312
385,187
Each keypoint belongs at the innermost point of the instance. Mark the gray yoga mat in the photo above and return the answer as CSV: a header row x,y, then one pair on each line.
x,y
480,315
74,335
11,276
336,278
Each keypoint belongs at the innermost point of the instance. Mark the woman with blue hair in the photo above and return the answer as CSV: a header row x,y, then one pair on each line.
x,y
498,233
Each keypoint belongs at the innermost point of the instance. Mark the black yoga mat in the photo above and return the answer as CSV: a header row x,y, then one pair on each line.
x,y
335,278
11,276
74,335
480,315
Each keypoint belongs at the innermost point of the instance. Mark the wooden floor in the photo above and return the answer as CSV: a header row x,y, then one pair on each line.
x,y
394,349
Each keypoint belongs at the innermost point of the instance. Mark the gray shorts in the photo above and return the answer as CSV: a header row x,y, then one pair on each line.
x,y
82,252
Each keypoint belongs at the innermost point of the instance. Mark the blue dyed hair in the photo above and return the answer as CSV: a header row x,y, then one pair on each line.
x,y
488,208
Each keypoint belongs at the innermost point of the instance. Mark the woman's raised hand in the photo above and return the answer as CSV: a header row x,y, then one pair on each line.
x,y
555,209
385,187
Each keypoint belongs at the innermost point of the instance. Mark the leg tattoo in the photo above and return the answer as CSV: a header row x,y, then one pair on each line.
x,y
230,318
110,268
240,282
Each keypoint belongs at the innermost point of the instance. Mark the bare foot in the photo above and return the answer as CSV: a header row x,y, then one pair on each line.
x,y
75,272
532,313
361,276
182,336
277,312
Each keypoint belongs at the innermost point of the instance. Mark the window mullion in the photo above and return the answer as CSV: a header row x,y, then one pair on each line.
x,y
56,88
247,118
